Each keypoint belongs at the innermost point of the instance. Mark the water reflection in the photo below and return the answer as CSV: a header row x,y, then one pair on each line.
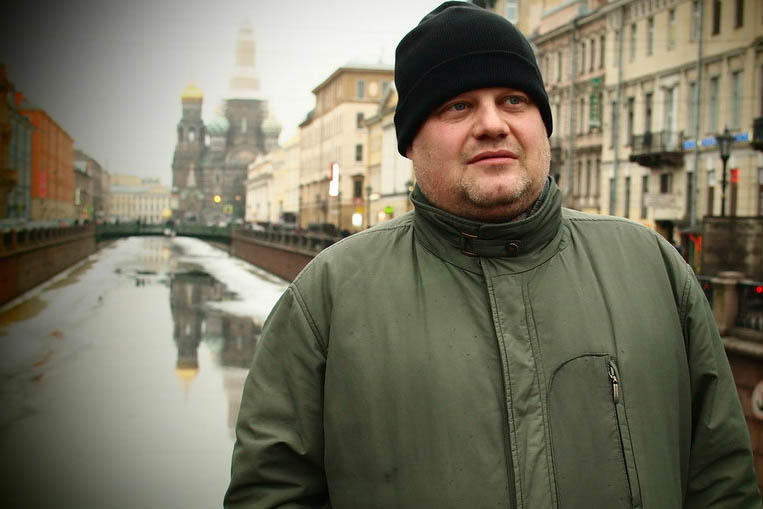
x,y
231,339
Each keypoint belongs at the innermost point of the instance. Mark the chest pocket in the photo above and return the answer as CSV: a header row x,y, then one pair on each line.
x,y
591,445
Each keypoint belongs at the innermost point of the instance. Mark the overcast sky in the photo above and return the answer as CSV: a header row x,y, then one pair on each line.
x,y
111,72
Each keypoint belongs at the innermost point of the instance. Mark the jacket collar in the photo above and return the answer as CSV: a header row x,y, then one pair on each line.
x,y
463,242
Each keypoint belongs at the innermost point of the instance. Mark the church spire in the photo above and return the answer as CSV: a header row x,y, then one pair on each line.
x,y
244,83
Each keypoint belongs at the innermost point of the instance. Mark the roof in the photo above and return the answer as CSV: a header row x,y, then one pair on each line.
x,y
380,68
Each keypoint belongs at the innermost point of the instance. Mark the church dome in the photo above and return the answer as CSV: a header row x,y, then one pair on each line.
x,y
218,127
192,92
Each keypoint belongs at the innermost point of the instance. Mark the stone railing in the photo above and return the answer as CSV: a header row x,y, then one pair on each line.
x,y
31,256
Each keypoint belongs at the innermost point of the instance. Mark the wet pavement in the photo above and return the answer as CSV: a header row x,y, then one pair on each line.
x,y
120,379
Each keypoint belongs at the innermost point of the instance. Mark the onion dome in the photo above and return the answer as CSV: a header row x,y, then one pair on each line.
x,y
192,92
218,126
270,125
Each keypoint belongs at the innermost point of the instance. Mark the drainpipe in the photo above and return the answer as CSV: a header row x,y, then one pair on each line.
x,y
695,100
573,107
618,108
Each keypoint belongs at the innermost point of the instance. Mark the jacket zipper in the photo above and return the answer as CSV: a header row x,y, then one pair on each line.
x,y
626,447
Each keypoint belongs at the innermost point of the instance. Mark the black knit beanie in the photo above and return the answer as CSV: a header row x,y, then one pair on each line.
x,y
456,48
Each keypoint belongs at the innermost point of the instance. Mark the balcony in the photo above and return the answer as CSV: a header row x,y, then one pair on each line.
x,y
657,149
757,133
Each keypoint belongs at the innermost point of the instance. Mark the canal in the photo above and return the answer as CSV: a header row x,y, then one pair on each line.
x,y
120,379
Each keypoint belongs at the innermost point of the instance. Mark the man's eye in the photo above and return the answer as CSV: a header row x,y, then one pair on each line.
x,y
515,99
457,106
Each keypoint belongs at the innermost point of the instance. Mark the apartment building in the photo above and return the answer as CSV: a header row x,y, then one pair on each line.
x,y
682,72
390,175
136,199
334,146
571,45
639,92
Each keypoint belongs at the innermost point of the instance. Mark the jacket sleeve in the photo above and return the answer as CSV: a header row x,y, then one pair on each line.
x,y
721,472
278,454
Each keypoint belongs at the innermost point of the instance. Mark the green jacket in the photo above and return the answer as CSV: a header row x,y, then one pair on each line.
x,y
569,360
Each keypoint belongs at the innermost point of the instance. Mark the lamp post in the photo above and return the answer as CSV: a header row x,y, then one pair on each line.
x,y
724,145
368,206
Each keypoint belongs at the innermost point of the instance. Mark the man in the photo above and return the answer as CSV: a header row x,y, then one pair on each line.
x,y
489,349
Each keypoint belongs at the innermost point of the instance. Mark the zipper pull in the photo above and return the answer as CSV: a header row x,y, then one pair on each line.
x,y
615,383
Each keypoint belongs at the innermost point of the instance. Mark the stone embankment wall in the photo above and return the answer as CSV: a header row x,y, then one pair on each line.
x,y
30,257
285,260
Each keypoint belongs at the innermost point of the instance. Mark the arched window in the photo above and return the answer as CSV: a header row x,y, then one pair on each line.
x,y
191,134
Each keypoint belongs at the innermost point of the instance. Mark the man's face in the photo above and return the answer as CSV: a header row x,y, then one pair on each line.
x,y
482,155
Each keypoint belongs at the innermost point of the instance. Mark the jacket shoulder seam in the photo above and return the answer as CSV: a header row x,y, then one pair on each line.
x,y
309,317
684,305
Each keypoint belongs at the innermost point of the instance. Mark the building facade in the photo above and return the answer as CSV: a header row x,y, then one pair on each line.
x,y
333,146
97,208
143,200
209,168
390,175
52,182
639,91
15,155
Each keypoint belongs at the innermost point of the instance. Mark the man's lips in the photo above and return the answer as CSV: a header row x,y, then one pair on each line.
x,y
490,155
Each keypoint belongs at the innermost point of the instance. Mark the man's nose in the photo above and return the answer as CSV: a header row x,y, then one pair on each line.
x,y
490,122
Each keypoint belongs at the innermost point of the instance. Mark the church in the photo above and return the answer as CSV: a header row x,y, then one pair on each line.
x,y
209,166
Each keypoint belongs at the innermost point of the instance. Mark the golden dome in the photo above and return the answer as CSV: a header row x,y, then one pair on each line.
x,y
192,92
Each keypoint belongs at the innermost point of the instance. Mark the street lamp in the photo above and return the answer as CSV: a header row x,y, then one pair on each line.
x,y
368,206
724,146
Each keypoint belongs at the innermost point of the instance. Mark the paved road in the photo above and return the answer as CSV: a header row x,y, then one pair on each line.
x,y
120,380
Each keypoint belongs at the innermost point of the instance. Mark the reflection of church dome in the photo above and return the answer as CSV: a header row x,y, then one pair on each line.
x,y
270,125
218,127
192,92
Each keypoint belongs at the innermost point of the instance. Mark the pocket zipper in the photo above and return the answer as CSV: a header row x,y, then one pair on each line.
x,y
625,439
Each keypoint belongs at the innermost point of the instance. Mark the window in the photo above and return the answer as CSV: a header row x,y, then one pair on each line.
x,y
689,190
512,10
613,125
710,192
629,130
669,121
716,17
581,118
359,153
760,191
648,112
385,87
694,35
597,177
650,37
601,51
360,89
634,41
666,183
243,124
191,134
579,179
739,18
644,193
627,197
616,43
359,120
593,54
734,185
612,196
582,57
588,178
558,66
736,99
357,187
671,28
712,114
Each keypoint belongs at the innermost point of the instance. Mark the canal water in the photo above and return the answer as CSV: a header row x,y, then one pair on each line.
x,y
120,379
